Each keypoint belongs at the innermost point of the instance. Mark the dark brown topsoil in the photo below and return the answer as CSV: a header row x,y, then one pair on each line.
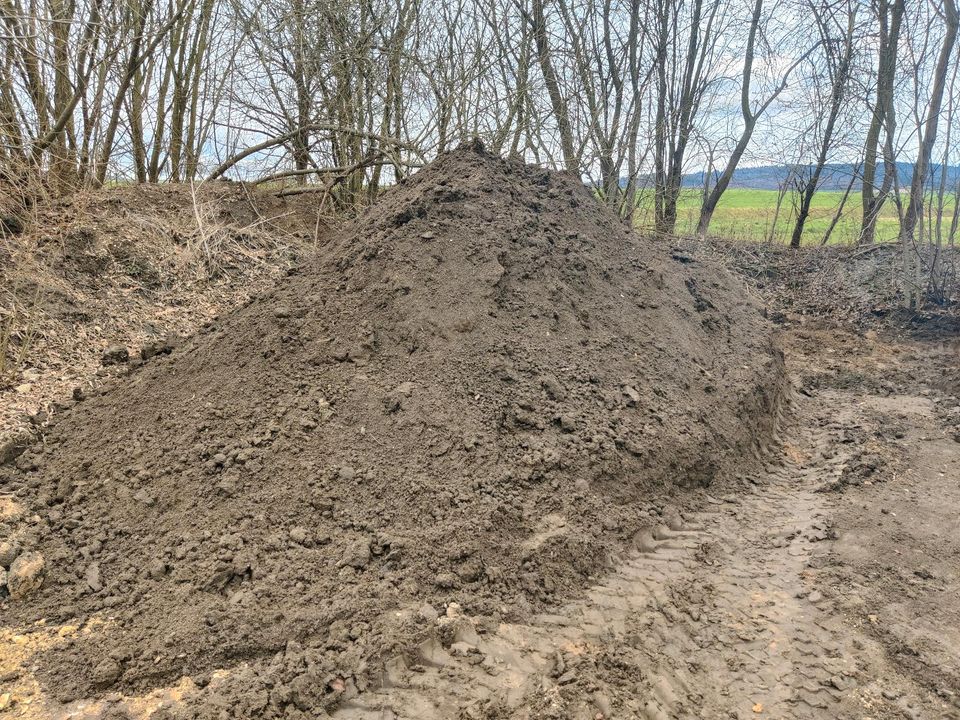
x,y
853,286
476,393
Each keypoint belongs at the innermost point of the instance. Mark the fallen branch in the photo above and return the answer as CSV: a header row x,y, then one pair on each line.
x,y
317,127
316,171
341,174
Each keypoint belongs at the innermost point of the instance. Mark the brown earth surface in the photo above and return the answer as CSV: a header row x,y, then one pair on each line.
x,y
418,480
860,287
824,587
128,266
478,393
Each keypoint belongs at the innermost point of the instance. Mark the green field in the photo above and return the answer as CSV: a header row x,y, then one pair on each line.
x,y
748,214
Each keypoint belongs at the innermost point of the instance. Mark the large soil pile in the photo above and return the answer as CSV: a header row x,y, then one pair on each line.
x,y
479,391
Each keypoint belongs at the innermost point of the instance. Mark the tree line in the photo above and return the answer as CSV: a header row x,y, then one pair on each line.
x,y
342,97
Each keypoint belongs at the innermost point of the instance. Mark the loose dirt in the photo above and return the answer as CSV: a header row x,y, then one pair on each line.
x,y
480,393
418,480
128,267
823,587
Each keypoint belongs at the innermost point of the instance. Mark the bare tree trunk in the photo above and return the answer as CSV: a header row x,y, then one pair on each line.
x,y
134,60
692,72
750,118
62,168
538,22
781,194
843,203
840,76
160,147
882,119
945,165
194,71
914,209
915,206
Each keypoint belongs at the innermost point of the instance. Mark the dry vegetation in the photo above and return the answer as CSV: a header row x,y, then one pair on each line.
x,y
129,266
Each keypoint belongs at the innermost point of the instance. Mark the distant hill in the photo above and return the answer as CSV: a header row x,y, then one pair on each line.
x,y
835,176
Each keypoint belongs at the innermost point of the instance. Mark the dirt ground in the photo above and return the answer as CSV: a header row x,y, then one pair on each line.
x,y
821,583
785,546
478,393
133,267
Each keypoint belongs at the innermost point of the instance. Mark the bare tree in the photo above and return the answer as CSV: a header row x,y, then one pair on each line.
x,y
837,56
538,25
883,118
948,11
683,76
750,115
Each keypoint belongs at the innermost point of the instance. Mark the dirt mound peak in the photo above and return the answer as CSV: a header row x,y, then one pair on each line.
x,y
480,389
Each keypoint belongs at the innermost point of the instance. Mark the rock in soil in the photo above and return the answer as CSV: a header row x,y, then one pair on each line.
x,y
115,355
9,550
106,672
159,347
25,575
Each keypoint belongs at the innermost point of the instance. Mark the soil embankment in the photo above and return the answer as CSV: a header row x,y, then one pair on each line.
x,y
127,268
480,393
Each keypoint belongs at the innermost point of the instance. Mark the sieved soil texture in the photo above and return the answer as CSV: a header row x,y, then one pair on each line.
x,y
478,393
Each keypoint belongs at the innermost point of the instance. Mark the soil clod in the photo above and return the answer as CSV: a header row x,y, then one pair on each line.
x,y
115,355
25,575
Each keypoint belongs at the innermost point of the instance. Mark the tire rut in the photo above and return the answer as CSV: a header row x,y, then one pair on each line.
x,y
711,616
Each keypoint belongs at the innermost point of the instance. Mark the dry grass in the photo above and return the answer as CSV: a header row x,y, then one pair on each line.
x,y
18,330
215,244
